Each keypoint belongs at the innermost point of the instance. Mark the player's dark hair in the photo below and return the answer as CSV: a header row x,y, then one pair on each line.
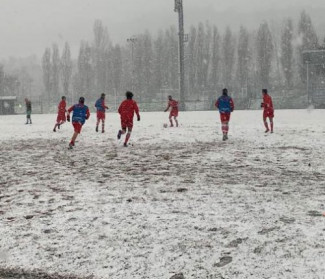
x,y
129,95
264,91
81,100
102,95
225,91
63,97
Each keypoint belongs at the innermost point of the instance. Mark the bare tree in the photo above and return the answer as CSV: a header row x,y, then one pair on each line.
x,y
215,58
228,57
309,40
47,70
66,68
287,51
55,71
244,57
264,47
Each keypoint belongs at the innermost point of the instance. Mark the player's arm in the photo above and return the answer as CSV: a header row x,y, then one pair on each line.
x,y
136,109
232,105
217,104
120,109
69,111
167,107
87,114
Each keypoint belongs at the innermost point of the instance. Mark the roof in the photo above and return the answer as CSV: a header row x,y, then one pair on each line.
x,y
8,98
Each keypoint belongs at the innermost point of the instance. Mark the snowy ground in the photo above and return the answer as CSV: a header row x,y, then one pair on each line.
x,y
176,200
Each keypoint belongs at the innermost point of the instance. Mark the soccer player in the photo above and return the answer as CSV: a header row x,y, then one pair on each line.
x,y
101,107
61,113
126,111
173,104
268,112
80,115
28,111
226,106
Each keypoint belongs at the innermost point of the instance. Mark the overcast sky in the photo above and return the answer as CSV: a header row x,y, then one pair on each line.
x,y
28,26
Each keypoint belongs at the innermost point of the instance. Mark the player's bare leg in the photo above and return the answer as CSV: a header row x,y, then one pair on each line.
x,y
176,121
121,132
127,137
271,124
73,139
266,125
54,129
103,125
171,121
224,130
97,124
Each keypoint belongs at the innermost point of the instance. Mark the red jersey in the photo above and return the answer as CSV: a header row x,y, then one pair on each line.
x,y
267,102
127,109
62,107
173,104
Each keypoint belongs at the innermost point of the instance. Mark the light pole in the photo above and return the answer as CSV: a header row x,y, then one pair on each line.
x,y
308,97
132,41
179,10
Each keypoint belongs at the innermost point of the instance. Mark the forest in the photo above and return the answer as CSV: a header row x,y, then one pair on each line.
x,y
244,61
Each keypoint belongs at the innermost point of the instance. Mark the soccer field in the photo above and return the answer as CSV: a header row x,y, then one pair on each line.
x,y
175,200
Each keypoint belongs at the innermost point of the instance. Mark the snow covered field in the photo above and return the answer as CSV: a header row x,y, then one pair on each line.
x,y
176,200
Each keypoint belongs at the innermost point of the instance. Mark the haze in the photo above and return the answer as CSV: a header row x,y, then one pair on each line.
x,y
27,27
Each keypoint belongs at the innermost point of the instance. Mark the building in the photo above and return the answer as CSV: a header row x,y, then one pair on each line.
x,y
7,104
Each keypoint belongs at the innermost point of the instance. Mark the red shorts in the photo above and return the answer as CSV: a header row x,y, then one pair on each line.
x,y
126,123
225,117
268,113
173,113
100,115
61,118
77,127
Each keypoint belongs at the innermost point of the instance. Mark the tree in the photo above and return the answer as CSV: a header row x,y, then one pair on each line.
x,y
55,72
191,54
148,64
309,40
85,71
158,62
47,69
66,68
287,51
215,58
100,50
2,79
243,56
264,48
117,67
228,56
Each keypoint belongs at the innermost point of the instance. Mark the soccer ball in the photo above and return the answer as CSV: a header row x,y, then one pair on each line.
x,y
165,125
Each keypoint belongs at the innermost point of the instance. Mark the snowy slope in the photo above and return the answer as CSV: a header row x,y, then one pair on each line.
x,y
176,200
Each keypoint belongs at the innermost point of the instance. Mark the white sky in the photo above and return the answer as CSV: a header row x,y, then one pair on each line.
x,y
28,26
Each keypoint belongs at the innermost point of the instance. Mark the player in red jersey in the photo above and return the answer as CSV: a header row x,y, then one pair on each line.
x,y
126,110
173,104
268,112
61,113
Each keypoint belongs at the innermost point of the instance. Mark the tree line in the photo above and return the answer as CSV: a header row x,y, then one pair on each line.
x,y
243,60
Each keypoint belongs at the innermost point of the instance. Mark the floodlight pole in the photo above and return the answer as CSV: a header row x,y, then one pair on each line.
x,y
179,10
308,97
